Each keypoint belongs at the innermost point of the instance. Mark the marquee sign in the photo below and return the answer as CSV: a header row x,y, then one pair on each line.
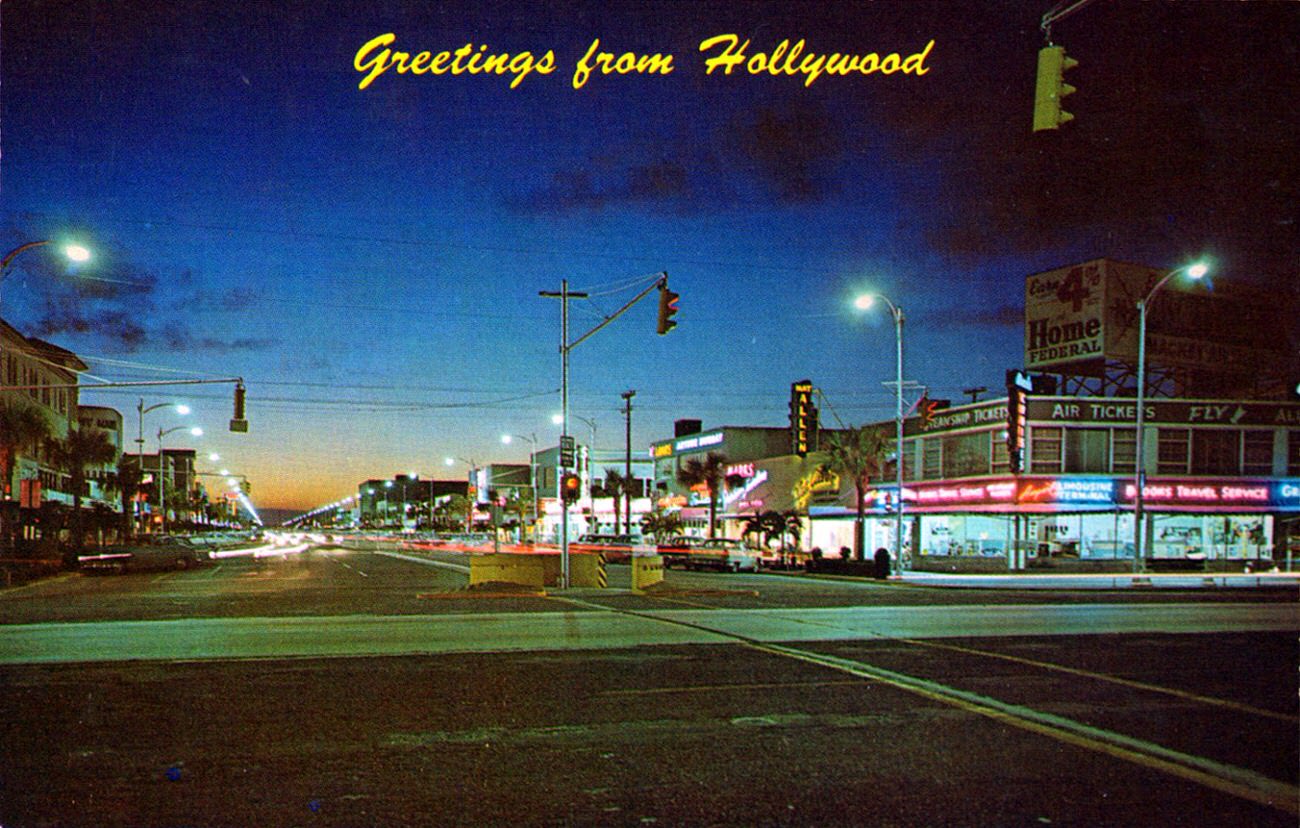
x,y
1083,494
803,418
1179,412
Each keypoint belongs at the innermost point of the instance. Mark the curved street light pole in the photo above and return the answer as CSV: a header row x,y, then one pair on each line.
x,y
75,252
1194,271
162,478
469,509
865,302
532,468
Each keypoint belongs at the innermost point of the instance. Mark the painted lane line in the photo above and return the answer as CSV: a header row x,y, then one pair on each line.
x,y
1123,682
427,562
1230,779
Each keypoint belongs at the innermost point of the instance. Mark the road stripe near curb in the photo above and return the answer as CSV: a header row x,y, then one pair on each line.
x,y
454,567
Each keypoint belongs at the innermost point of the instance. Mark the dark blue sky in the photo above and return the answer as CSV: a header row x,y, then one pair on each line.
x,y
370,260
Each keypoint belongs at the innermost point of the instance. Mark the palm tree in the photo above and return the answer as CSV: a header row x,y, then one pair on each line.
x,y
709,473
126,483
74,454
616,486
794,528
20,425
660,524
858,454
770,525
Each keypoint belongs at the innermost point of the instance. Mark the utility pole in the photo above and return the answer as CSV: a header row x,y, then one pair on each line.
x,y
565,440
627,461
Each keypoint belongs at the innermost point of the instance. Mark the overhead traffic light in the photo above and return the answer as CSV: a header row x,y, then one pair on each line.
x,y
1051,88
570,487
239,422
667,309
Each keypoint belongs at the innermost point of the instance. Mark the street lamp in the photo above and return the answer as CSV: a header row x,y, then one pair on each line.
x,y
181,409
1193,271
162,478
558,419
532,467
864,302
473,469
74,252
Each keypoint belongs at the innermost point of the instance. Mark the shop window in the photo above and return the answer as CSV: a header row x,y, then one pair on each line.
x,y
1257,452
1087,450
1123,443
1293,454
1001,457
1216,451
931,455
966,455
1045,450
1171,451
910,448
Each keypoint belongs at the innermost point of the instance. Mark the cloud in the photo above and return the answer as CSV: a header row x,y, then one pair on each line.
x,y
780,153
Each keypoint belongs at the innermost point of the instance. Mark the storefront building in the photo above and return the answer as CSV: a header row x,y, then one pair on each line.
x,y
1223,483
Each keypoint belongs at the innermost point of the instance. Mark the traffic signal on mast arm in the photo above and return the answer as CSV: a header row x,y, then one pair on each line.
x,y
570,487
1051,88
667,308
239,422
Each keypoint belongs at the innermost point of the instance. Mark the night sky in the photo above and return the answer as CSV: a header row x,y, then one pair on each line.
x,y
369,260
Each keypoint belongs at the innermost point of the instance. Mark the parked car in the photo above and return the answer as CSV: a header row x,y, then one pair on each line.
x,y
719,553
149,552
615,548
676,550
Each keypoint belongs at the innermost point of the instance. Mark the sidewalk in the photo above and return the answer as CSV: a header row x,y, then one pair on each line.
x,y
1180,580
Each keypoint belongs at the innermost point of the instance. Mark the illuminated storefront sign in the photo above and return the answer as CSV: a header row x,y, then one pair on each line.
x,y
1181,412
752,482
998,491
803,418
1091,494
698,441
740,470
820,482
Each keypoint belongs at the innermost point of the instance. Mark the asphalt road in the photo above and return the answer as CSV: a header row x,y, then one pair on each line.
x,y
893,706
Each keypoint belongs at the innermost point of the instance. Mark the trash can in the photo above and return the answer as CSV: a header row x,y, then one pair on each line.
x,y
881,569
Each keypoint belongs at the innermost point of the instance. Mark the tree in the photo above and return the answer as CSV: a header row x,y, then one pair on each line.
x,y
21,425
858,454
615,486
660,525
793,528
770,525
455,510
709,473
74,454
126,483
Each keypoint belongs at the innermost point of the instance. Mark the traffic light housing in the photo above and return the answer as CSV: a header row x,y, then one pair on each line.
x,y
667,309
570,487
239,422
1051,88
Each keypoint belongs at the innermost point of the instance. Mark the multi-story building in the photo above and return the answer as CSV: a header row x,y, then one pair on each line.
x,y
1051,470
37,374
407,500
107,421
